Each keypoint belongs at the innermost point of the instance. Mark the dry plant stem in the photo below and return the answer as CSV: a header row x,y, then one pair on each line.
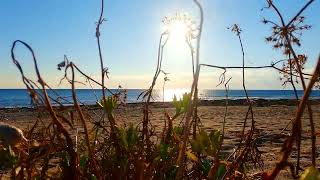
x,y
103,72
164,107
215,165
89,78
226,87
195,116
195,113
292,83
250,110
295,93
244,86
257,67
299,134
164,111
162,43
83,121
313,138
192,102
287,146
191,48
70,148
296,96
195,125
300,12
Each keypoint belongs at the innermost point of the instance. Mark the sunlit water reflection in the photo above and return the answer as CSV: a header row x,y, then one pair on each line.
x,y
20,97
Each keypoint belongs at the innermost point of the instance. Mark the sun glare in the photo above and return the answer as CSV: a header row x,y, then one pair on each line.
x,y
179,27
170,93
178,31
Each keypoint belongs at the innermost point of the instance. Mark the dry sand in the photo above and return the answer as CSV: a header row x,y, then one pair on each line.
x,y
270,121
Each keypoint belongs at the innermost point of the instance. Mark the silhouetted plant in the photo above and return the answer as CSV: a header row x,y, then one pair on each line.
x,y
107,149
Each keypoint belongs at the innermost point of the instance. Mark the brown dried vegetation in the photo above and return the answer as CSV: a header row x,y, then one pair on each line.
x,y
107,149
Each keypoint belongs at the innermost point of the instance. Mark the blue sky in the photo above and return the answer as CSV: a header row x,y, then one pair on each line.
x,y
130,39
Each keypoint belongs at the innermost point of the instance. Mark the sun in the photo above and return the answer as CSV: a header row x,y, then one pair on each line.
x,y
178,31
179,27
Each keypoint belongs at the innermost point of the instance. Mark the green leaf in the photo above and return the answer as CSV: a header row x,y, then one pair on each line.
x,y
171,174
205,166
8,159
156,159
83,161
164,151
178,130
93,177
123,138
182,104
185,100
176,104
311,173
132,136
196,147
221,171
216,140
206,144
108,104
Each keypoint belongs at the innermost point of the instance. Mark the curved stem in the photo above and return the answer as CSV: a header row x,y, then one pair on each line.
x,y
70,147
192,102
83,121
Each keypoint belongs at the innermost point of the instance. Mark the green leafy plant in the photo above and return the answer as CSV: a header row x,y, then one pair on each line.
x,y
109,104
311,173
207,144
129,136
182,104
8,158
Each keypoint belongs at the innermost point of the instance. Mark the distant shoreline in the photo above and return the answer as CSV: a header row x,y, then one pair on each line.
x,y
221,102
20,98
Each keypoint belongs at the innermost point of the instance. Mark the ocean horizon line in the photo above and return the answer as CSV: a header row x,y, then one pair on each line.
x,y
20,97
161,89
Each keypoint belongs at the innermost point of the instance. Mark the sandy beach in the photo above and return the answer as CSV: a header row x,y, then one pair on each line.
x,y
271,118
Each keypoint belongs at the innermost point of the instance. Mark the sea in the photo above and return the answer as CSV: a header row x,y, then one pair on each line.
x,y
14,98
